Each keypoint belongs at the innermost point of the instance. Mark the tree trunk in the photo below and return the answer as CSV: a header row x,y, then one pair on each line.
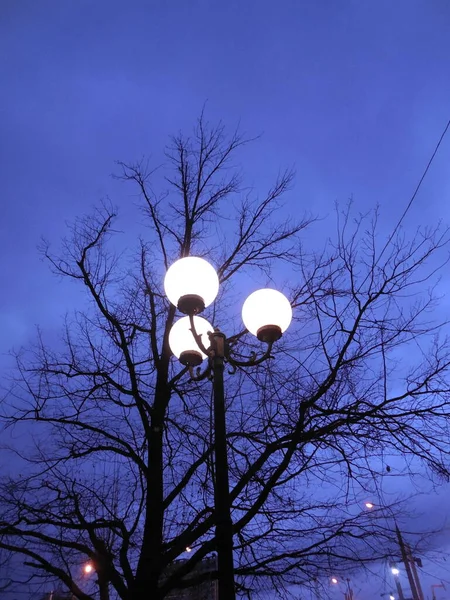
x,y
150,565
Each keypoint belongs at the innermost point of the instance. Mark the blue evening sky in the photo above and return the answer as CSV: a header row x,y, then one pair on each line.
x,y
352,93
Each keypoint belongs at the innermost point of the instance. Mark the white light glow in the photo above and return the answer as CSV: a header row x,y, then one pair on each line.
x,y
369,505
191,276
88,568
395,571
266,307
181,338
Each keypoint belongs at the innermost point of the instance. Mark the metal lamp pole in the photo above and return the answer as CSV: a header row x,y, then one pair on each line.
x,y
224,525
186,286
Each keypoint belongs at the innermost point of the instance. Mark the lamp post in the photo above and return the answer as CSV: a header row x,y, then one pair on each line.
x,y
408,560
396,573
348,593
192,284
89,568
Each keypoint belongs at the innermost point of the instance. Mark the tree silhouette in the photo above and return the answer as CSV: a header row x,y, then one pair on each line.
x,y
119,466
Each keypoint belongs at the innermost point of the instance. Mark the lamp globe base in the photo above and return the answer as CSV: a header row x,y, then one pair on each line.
x,y
191,358
269,334
191,304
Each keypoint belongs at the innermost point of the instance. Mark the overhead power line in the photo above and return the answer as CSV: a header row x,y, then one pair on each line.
x,y
413,197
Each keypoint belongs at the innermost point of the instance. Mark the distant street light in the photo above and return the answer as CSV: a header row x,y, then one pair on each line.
x,y
395,571
191,284
348,592
89,568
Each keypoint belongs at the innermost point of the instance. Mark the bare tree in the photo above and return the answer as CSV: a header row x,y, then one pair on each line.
x,y
118,467
5,570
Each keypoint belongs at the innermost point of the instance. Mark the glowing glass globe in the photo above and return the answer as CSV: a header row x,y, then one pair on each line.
x,y
182,341
267,314
191,283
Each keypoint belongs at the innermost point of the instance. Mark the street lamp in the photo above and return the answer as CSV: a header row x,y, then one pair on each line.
x,y
92,567
192,284
348,592
396,573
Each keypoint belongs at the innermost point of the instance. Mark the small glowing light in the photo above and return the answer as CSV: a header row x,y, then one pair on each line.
x,y
334,580
391,597
395,571
369,505
188,549
88,568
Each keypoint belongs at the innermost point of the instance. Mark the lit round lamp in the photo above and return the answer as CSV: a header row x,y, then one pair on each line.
x,y
191,283
267,314
182,341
